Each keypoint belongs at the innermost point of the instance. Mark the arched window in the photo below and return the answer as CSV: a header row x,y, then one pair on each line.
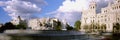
x,y
115,7
119,6
118,1
104,11
105,16
105,20
98,21
93,21
93,7
118,19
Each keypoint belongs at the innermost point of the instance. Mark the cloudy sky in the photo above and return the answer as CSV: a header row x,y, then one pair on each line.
x,y
69,10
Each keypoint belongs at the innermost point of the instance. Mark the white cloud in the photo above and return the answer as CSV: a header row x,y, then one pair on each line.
x,y
37,2
77,5
71,9
23,8
2,3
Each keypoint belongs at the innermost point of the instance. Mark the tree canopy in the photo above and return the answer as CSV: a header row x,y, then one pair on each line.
x,y
22,25
116,27
68,27
77,25
6,26
57,25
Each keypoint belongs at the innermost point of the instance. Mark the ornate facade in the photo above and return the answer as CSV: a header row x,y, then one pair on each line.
x,y
38,24
44,24
17,20
108,15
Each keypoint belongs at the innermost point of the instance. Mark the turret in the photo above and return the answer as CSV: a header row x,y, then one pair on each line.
x,y
19,18
109,4
92,5
117,1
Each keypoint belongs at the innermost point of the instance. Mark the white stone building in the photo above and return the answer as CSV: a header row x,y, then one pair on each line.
x,y
108,16
17,20
37,24
40,23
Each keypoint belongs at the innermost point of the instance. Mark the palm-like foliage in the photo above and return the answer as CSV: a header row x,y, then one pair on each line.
x,y
57,25
77,25
116,27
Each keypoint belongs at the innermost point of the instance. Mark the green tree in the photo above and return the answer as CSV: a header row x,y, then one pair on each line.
x,y
68,27
57,25
86,28
77,25
22,25
103,28
116,27
7,26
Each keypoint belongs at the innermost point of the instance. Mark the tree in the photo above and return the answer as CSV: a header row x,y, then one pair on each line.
x,y
103,28
116,27
77,25
6,26
69,27
57,25
86,28
22,25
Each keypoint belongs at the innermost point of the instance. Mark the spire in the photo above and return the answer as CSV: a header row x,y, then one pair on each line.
x,y
117,1
93,0
109,4
92,4
19,18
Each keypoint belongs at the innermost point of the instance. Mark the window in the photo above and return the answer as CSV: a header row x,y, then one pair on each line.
x,y
93,7
93,17
118,19
101,16
105,20
104,11
119,6
113,8
118,1
109,19
93,21
105,16
98,21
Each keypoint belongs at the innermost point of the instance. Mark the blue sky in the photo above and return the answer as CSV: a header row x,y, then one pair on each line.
x,y
4,16
69,10
51,5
